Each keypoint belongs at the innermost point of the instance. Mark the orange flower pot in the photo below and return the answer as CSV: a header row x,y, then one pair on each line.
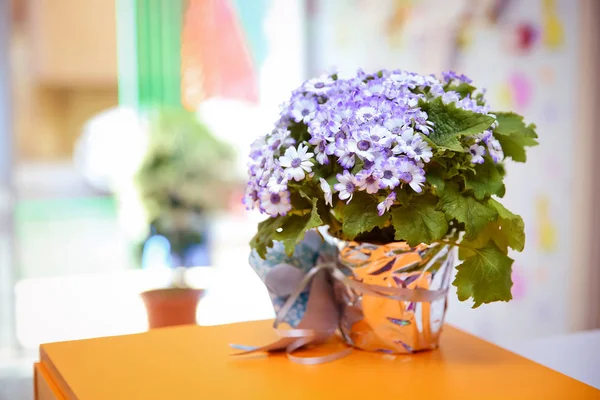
x,y
170,307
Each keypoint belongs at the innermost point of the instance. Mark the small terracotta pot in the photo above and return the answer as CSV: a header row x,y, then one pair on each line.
x,y
170,307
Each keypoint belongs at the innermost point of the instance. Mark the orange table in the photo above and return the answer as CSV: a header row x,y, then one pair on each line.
x,y
193,362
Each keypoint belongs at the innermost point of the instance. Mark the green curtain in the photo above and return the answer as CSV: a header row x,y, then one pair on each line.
x,y
149,52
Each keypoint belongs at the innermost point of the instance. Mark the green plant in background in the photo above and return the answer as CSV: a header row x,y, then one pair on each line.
x,y
185,174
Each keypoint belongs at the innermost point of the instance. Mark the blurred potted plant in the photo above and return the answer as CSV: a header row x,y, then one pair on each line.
x,y
186,174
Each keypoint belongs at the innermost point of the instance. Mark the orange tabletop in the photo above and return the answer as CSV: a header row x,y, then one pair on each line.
x,y
194,362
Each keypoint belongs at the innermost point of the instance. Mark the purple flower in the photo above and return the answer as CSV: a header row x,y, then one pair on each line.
x,y
380,135
320,147
277,182
495,150
450,97
420,149
370,164
347,185
477,152
395,125
362,147
369,180
389,174
296,162
483,137
422,124
366,114
251,199
411,174
471,105
404,145
280,138
318,85
326,188
275,204
304,110
385,205
325,123
346,160
373,88
451,75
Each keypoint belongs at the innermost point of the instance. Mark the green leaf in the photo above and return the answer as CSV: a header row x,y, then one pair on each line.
x,y
462,88
507,231
360,215
467,210
485,276
435,178
485,181
511,225
514,135
293,230
419,223
510,124
264,234
299,132
441,145
514,146
450,123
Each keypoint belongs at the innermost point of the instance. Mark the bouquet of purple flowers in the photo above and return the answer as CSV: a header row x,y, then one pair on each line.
x,y
394,156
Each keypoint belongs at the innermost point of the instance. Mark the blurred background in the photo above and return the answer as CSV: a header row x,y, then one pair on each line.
x,y
124,127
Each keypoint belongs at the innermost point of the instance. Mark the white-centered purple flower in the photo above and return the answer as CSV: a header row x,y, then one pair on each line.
x,y
318,85
362,147
336,142
450,97
275,204
369,181
411,174
325,123
373,88
280,138
277,182
404,145
448,76
420,149
320,148
483,137
366,114
470,104
296,162
385,205
390,174
395,125
422,124
346,159
251,199
477,152
495,150
346,186
381,136
326,188
304,110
